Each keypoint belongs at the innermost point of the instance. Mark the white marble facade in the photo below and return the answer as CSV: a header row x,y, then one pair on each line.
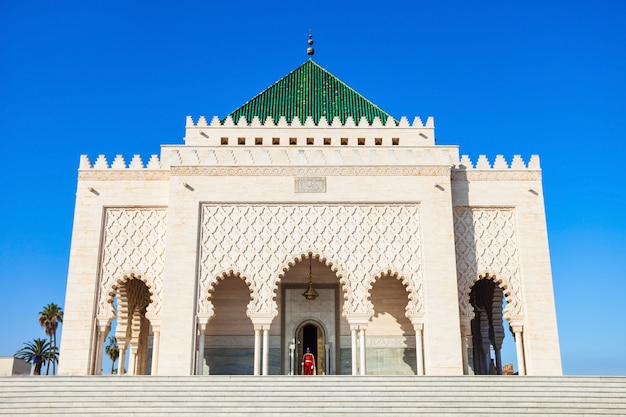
x,y
397,231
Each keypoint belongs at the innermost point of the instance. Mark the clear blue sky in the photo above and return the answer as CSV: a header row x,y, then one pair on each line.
x,y
500,77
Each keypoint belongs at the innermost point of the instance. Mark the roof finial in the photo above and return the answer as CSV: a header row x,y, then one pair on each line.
x,y
310,51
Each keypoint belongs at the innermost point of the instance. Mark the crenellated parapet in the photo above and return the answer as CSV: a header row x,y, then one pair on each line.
x,y
498,170
313,161
499,163
270,132
281,161
119,169
119,163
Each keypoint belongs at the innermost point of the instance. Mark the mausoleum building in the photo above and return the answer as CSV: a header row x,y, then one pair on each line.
x,y
310,217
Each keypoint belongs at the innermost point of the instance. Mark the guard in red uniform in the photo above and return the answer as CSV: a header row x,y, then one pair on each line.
x,y
308,363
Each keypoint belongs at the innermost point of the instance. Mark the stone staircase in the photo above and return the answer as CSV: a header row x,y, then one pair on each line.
x,y
232,396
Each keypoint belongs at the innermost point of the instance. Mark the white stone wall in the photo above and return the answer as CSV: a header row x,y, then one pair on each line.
x,y
98,189
512,244
386,201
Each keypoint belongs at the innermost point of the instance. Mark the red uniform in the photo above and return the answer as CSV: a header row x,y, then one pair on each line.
x,y
308,364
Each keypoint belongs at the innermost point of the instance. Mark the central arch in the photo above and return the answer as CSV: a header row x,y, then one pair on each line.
x,y
316,323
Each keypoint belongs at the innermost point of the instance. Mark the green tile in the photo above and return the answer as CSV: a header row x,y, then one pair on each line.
x,y
310,90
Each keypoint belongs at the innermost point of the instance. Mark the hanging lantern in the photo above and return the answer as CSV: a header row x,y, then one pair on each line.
x,y
310,294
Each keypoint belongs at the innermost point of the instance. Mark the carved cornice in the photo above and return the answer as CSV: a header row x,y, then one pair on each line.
x,y
402,171
124,175
312,171
495,175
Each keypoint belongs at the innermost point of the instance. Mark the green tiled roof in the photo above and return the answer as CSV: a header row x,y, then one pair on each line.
x,y
310,90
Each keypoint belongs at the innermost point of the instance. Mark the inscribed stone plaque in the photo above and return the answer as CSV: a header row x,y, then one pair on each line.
x,y
310,185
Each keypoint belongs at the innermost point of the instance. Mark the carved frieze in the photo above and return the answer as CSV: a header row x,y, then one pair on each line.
x,y
486,244
133,243
123,175
495,175
358,241
316,171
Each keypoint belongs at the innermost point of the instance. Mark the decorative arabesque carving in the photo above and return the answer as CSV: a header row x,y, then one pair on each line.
x,y
358,241
286,171
487,247
133,246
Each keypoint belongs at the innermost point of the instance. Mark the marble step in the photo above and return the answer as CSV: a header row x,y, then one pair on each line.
x,y
331,396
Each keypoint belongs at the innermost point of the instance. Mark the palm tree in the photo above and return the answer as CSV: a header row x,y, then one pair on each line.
x,y
49,318
37,352
112,351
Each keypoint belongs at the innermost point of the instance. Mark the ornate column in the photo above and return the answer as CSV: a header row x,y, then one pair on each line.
x,y
498,329
353,333
202,323
156,342
102,330
358,324
362,349
132,358
485,341
466,335
518,330
122,363
418,325
498,354
257,349
133,344
261,323
266,349
142,347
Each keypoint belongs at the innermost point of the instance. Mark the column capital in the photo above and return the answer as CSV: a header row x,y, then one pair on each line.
x,y
202,323
418,326
261,322
103,323
517,326
417,321
358,319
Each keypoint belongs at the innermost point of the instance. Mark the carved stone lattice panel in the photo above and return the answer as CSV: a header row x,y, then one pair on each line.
x,y
259,241
486,245
133,243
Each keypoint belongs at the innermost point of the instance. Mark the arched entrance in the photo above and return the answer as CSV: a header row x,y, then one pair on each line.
x,y
227,346
314,322
310,334
488,329
390,334
132,330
